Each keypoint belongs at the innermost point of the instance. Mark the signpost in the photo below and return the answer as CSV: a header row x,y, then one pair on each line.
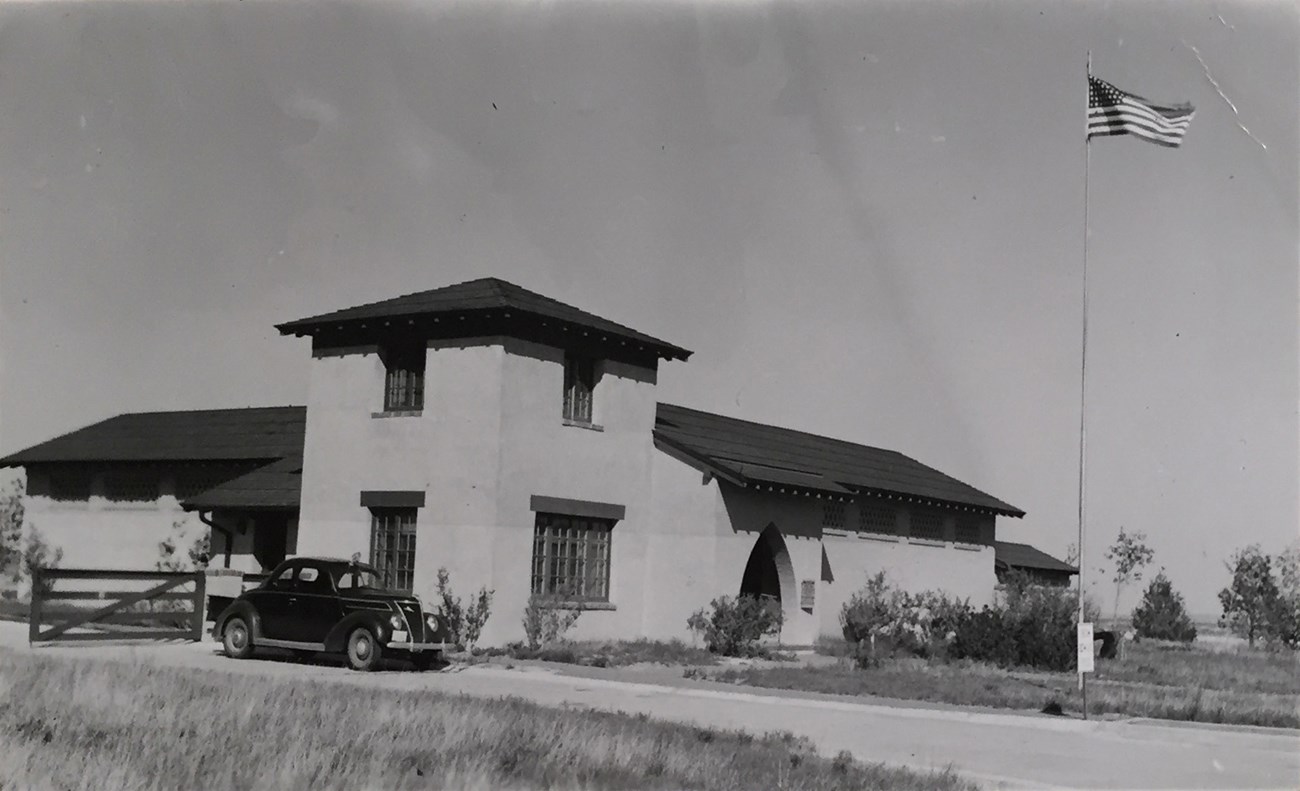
x,y
1085,644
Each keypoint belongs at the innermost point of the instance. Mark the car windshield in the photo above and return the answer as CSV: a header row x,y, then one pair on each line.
x,y
354,577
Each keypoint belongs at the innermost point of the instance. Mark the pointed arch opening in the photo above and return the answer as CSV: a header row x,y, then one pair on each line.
x,y
769,573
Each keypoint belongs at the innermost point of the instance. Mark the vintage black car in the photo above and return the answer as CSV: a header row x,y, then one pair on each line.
x,y
324,605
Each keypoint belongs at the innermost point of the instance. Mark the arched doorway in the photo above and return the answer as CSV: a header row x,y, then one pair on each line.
x,y
769,573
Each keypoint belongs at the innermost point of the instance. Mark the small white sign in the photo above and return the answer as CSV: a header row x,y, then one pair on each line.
x,y
1085,648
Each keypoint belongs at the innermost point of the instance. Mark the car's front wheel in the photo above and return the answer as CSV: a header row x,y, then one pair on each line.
x,y
364,651
236,639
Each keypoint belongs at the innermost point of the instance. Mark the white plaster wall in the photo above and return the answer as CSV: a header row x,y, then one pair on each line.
x,y
97,534
679,574
449,452
540,455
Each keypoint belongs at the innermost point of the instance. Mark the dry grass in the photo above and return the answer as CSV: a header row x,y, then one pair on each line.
x,y
615,653
1153,680
108,725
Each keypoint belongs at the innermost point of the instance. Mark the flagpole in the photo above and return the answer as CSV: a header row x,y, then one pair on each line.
x,y
1083,386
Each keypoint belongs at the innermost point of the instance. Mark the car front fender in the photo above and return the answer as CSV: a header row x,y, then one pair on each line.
x,y
374,620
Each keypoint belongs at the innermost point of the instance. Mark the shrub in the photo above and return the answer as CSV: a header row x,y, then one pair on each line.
x,y
880,620
735,626
1161,615
465,624
1034,627
546,621
38,554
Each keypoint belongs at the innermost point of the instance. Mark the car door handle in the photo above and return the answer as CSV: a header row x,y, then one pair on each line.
x,y
293,599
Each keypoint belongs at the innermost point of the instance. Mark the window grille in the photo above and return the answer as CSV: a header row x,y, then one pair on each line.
x,y
927,525
877,519
967,531
404,378
135,486
579,384
392,546
70,485
571,557
832,513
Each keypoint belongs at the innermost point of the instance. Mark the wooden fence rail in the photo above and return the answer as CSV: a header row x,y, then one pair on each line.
x,y
117,610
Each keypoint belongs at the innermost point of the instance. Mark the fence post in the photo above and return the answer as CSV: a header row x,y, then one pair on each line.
x,y
34,611
200,604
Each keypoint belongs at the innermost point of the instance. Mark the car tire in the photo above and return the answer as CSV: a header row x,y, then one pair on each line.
x,y
237,638
364,651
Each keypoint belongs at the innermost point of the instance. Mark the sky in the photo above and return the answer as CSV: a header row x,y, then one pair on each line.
x,y
865,218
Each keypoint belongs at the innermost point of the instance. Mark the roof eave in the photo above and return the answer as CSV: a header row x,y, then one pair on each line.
x,y
303,328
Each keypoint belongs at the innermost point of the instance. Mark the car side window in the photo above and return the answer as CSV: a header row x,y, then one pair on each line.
x,y
284,581
311,580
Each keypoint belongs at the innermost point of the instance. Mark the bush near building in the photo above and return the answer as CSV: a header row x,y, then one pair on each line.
x,y
1034,625
736,627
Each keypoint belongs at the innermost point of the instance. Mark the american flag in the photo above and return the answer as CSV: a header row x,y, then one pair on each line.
x,y
1115,112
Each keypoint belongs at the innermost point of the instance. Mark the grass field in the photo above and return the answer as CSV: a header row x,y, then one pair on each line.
x,y
106,725
1153,680
614,653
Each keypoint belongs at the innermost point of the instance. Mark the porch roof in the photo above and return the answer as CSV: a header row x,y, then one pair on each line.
x,y
743,451
275,486
1023,556
191,435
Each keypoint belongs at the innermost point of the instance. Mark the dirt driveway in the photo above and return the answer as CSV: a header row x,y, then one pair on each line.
x,y
1001,750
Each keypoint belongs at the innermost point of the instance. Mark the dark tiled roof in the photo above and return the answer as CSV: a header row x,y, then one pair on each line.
x,y
1023,556
198,435
277,485
488,293
755,452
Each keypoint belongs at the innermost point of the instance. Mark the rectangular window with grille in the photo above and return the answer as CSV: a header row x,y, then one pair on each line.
x,y
132,486
832,513
967,531
404,377
70,485
571,557
579,387
927,525
392,546
874,518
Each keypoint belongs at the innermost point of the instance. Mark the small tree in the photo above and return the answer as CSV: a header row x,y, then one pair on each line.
x,y
1284,616
196,553
1161,615
1129,555
465,624
38,554
1252,594
547,619
12,512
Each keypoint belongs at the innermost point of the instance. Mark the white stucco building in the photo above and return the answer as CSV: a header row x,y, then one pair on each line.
x,y
518,442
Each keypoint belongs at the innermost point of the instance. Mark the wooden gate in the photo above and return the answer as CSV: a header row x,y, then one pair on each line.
x,y
122,617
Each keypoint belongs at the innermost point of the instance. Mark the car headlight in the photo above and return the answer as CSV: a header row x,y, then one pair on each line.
x,y
431,621
395,621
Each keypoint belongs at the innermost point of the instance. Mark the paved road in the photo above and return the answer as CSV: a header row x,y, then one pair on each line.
x,y
999,750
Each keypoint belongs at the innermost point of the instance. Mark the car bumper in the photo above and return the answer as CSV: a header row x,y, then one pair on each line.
x,y
416,648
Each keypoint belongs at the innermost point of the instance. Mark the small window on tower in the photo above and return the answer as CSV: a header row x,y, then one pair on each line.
x,y
579,385
404,377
